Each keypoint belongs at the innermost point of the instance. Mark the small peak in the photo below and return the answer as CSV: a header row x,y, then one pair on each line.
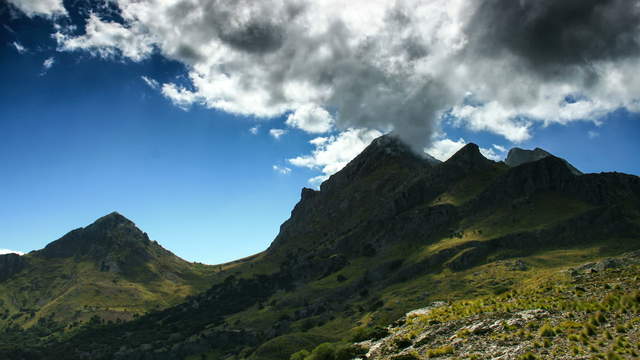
x,y
518,156
307,193
113,219
469,157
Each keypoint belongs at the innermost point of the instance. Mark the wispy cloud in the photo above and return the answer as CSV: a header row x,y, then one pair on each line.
x,y
21,49
254,130
277,133
593,134
47,64
152,83
281,169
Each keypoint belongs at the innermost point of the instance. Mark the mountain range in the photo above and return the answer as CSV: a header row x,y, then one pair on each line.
x,y
391,232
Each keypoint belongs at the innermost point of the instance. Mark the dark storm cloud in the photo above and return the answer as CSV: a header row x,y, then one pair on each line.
x,y
255,37
548,34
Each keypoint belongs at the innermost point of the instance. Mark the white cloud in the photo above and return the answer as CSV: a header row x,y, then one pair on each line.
x,y
7,251
281,169
311,118
387,65
490,154
332,153
108,40
179,96
46,8
499,148
47,64
443,148
593,134
152,83
254,130
277,133
21,49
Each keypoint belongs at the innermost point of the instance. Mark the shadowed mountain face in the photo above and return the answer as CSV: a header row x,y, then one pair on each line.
x,y
109,233
390,232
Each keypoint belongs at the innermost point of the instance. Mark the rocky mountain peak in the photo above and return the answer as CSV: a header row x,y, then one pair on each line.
x,y
518,156
469,158
381,153
105,235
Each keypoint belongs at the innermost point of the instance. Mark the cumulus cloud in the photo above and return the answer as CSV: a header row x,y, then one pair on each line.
x,y
254,130
311,118
443,148
7,251
19,48
281,169
499,66
277,133
332,153
108,40
46,8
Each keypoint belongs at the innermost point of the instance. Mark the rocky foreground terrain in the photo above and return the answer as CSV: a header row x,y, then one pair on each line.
x,y
588,312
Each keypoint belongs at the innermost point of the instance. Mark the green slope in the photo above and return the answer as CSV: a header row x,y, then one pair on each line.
x,y
72,289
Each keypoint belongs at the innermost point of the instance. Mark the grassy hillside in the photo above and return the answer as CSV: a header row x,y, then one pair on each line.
x,y
115,279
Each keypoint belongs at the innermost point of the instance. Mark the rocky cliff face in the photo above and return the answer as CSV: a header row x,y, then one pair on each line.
x,y
11,264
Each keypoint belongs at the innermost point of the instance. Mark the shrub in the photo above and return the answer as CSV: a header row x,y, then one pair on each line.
x,y
528,356
441,351
366,333
324,351
547,331
300,355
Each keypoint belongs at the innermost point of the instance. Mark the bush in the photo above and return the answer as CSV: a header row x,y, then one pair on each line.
x,y
366,333
547,331
441,351
300,355
324,351
528,356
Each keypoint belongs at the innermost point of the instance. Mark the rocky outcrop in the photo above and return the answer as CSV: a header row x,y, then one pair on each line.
x,y
11,264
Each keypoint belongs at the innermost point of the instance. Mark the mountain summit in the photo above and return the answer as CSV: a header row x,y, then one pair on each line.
x,y
109,233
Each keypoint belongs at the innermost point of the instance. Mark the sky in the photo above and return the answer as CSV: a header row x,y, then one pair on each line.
x,y
201,120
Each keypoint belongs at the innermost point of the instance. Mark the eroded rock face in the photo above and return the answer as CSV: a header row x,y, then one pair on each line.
x,y
11,264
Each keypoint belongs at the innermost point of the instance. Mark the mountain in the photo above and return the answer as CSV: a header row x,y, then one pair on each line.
x,y
391,232
518,156
109,269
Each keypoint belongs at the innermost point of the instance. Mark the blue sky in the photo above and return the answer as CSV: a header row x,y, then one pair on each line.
x,y
83,134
